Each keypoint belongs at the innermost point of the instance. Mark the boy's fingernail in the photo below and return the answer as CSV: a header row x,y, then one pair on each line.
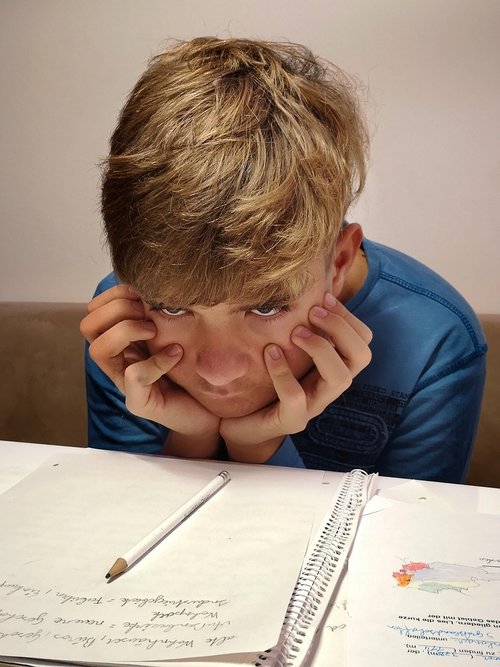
x,y
147,324
302,332
319,312
274,352
330,301
173,350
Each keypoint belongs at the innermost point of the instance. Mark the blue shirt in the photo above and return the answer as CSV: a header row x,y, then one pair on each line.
x,y
413,412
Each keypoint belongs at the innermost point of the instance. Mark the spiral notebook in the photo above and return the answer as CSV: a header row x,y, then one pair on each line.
x,y
315,591
54,606
320,575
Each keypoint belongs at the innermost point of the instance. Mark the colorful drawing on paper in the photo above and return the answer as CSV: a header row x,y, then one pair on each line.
x,y
437,577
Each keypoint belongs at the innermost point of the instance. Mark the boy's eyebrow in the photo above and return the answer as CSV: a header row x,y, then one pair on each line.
x,y
154,304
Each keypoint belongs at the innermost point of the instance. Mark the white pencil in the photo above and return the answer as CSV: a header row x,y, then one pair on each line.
x,y
141,548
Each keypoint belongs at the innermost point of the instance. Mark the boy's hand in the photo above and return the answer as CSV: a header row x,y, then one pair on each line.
x,y
116,329
338,355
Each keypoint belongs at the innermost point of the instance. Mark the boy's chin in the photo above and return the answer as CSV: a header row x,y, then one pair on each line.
x,y
232,408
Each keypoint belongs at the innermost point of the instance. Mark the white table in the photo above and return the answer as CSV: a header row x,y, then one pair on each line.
x,y
20,459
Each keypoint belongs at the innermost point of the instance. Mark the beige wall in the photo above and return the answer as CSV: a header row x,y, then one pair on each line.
x,y
431,73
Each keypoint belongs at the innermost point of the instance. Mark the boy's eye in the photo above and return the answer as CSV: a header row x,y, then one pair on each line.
x,y
267,310
171,311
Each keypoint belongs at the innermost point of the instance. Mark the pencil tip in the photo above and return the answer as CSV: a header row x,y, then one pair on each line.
x,y
119,566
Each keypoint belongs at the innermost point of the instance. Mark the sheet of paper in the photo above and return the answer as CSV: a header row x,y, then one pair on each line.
x,y
376,504
329,647
18,459
219,584
488,501
424,587
417,493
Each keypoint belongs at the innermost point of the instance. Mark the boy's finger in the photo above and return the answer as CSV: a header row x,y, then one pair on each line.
x,y
139,377
331,375
337,308
290,415
110,313
107,350
116,292
350,345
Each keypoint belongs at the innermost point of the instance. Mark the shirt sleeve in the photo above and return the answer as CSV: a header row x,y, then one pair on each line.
x,y
110,424
434,439
287,455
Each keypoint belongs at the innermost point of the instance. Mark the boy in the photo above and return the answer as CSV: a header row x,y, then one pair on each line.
x,y
235,324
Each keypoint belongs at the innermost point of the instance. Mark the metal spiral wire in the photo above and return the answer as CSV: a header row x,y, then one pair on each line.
x,y
321,567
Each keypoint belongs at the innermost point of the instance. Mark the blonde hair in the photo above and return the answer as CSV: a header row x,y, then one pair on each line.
x,y
231,168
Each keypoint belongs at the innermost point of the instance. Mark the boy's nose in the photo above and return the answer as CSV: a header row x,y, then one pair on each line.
x,y
221,364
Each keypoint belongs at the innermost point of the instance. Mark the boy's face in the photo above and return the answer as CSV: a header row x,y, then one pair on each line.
x,y
223,364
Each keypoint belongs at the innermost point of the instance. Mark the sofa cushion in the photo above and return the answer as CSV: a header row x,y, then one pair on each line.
x,y
42,387
485,462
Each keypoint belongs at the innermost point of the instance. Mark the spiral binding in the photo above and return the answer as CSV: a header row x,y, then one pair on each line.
x,y
319,575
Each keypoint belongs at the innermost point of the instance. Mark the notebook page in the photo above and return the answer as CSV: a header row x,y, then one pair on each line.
x,y
424,586
219,584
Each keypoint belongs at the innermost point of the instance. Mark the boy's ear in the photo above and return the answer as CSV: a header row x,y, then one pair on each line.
x,y
346,250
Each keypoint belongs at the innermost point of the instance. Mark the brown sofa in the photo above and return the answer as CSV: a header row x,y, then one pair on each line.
x,y
42,386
